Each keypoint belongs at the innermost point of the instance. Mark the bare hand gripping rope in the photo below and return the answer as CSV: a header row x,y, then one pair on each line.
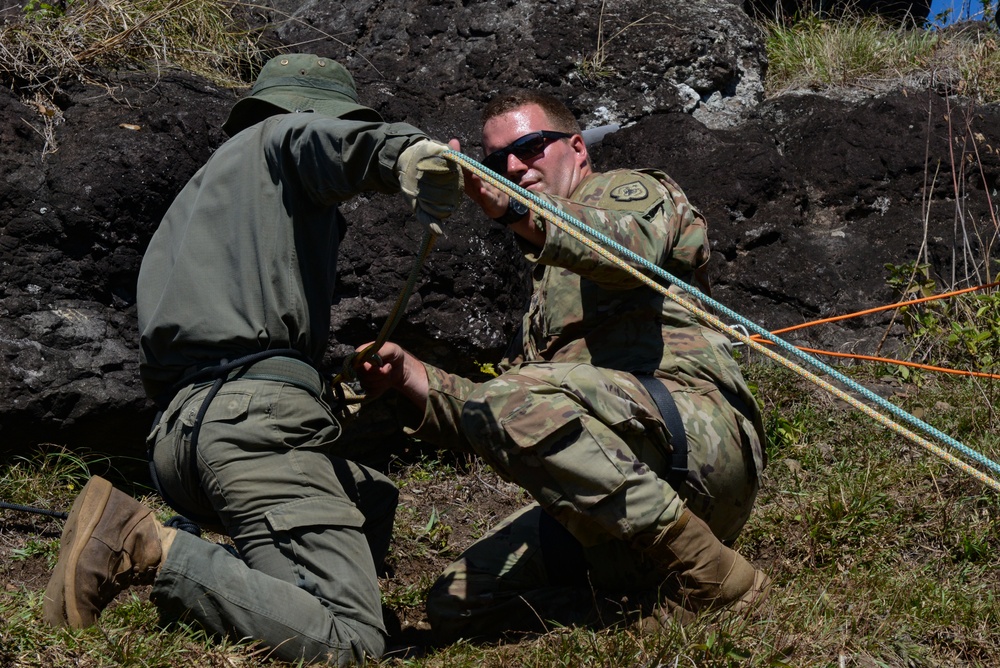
x,y
600,244
355,360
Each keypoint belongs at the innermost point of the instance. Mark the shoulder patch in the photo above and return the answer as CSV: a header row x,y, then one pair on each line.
x,y
630,192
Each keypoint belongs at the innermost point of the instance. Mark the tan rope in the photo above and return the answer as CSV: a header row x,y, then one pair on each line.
x,y
356,359
538,207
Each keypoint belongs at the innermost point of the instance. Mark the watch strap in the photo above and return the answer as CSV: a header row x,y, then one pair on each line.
x,y
516,211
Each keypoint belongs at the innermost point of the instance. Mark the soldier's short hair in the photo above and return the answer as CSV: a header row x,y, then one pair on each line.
x,y
558,113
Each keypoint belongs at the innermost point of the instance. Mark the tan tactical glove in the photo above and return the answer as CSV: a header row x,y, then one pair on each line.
x,y
430,183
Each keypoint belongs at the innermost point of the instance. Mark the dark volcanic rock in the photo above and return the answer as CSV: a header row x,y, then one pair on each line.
x,y
811,197
81,200
807,197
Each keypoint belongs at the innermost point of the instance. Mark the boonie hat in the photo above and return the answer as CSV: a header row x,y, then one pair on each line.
x,y
299,82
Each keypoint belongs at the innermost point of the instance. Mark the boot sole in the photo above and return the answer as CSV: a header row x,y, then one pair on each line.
x,y
60,605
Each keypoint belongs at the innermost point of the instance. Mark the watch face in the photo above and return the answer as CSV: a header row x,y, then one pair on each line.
x,y
516,210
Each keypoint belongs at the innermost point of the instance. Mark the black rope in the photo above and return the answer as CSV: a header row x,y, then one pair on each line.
x,y
182,523
29,509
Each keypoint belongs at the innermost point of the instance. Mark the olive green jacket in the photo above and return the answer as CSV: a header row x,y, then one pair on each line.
x,y
245,259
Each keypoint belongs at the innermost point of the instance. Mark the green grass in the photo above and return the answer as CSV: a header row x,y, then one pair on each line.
x,y
814,52
868,53
881,554
48,479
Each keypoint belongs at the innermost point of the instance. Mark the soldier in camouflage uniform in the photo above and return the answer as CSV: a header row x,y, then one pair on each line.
x,y
569,419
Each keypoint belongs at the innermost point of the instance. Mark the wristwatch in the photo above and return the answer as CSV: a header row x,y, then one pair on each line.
x,y
516,210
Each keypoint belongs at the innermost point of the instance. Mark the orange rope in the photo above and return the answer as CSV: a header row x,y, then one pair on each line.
x,y
916,365
758,337
870,358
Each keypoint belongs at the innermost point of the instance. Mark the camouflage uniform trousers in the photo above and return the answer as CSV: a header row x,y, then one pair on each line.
x,y
308,525
589,445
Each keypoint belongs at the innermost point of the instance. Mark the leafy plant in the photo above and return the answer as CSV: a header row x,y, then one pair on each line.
x,y
961,332
46,549
783,432
487,369
436,532
38,9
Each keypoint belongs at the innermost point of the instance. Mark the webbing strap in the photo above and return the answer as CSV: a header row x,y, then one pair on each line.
x,y
675,425
284,369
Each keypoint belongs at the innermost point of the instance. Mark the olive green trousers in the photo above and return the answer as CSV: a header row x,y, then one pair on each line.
x,y
309,526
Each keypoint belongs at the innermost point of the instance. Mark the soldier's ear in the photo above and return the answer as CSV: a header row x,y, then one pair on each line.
x,y
579,147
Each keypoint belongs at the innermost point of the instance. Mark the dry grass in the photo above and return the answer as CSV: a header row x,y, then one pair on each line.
x,y
870,54
48,45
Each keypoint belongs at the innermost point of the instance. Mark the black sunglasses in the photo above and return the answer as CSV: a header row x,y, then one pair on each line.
x,y
523,148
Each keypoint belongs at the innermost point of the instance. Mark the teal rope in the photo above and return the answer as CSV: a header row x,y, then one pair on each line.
x,y
749,324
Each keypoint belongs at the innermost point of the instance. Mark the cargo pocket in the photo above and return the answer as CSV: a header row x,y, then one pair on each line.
x,y
570,459
227,406
314,512
322,545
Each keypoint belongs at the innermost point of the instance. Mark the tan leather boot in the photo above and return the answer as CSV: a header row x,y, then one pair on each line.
x,y
701,572
109,543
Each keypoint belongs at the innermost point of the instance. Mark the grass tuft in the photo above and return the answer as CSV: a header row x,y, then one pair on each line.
x,y
818,53
50,44
867,52
979,65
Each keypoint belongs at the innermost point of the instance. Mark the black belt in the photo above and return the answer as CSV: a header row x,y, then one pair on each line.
x,y
280,365
675,425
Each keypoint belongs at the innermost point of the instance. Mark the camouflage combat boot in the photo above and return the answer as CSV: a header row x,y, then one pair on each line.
x,y
110,542
700,572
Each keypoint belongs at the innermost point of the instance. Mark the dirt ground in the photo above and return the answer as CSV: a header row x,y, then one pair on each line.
x,y
441,512
17,530
444,506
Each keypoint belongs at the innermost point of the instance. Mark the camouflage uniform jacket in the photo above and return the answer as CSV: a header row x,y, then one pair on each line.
x,y
585,309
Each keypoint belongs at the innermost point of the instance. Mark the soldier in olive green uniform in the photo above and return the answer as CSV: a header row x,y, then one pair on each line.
x,y
570,420
234,299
